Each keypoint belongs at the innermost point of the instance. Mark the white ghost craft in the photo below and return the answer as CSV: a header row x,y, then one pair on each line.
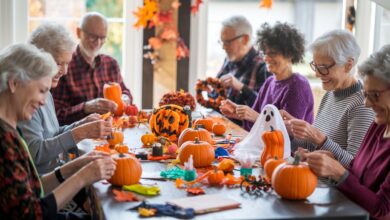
x,y
253,143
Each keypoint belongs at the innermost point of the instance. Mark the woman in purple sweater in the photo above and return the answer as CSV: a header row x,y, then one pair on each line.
x,y
367,181
283,46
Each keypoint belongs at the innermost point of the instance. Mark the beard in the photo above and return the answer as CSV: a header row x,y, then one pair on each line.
x,y
89,53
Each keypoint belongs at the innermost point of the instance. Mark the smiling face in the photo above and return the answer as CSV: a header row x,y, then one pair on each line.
x,y
31,95
338,75
276,62
92,36
381,103
62,60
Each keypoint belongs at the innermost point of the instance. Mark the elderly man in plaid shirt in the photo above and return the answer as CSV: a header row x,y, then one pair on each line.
x,y
244,70
80,92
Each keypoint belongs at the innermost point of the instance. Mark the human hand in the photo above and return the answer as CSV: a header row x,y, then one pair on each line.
x,y
100,105
303,130
229,80
286,119
98,169
98,129
324,165
228,108
81,161
244,112
301,152
89,118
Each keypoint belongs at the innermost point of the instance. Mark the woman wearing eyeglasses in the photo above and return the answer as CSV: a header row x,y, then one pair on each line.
x,y
342,119
367,180
283,46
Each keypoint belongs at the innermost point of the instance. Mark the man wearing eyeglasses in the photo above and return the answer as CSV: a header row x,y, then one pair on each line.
x,y
80,92
244,71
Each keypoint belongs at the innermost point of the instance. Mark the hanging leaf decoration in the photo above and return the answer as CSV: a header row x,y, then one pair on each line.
x,y
266,4
195,7
146,13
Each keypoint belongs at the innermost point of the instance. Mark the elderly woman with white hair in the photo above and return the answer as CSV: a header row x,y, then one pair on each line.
x,y
367,181
26,75
342,118
45,138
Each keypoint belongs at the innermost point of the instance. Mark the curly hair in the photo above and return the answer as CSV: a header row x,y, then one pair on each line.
x,y
284,39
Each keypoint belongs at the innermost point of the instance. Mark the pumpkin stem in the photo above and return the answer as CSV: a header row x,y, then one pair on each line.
x,y
297,158
122,155
272,128
276,157
197,140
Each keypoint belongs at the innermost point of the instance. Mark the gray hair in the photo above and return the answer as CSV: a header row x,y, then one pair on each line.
x,y
52,38
240,24
377,65
89,16
25,62
340,45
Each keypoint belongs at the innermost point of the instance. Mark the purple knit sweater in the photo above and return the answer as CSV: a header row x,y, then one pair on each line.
x,y
368,182
293,95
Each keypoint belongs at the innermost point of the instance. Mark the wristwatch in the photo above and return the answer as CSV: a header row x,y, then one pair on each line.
x,y
58,174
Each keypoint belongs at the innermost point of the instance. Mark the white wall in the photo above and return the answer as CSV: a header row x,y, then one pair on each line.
x,y
13,22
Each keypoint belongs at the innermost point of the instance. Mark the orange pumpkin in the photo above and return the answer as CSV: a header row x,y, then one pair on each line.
x,y
216,177
219,129
294,181
207,123
148,138
190,134
273,145
201,151
117,137
270,166
226,165
122,148
128,170
113,91
131,110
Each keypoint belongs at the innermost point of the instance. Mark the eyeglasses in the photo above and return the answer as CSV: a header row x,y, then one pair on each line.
x,y
228,42
373,96
94,37
322,68
62,65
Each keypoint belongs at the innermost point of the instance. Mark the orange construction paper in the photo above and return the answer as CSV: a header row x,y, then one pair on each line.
x,y
124,196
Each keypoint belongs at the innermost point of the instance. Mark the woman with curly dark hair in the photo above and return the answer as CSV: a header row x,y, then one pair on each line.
x,y
283,46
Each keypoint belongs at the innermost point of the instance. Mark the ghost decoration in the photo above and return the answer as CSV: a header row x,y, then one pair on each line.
x,y
253,144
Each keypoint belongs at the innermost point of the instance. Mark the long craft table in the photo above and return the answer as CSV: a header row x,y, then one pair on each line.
x,y
325,203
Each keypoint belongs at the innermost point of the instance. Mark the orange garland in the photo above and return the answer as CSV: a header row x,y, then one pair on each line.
x,y
203,85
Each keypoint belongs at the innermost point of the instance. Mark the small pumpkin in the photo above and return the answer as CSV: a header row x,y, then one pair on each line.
x,y
270,166
128,170
226,165
219,129
120,148
201,151
116,137
148,138
190,134
207,123
216,177
294,181
113,91
131,110
273,145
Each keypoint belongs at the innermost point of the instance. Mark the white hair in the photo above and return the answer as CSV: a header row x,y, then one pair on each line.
x,y
340,45
25,62
89,16
239,24
377,65
52,38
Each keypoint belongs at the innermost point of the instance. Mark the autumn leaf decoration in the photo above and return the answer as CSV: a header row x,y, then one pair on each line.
x,y
266,4
195,7
147,13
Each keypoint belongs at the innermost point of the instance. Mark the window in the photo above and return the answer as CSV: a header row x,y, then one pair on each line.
x,y
69,12
382,27
290,11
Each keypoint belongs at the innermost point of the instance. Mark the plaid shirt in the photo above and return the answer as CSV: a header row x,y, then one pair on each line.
x,y
251,71
83,83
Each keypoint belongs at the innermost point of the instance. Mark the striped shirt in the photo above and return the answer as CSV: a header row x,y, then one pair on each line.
x,y
344,119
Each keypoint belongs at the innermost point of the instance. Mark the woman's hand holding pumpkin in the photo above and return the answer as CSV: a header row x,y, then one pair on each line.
x,y
100,105
245,112
323,165
98,169
94,130
303,130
